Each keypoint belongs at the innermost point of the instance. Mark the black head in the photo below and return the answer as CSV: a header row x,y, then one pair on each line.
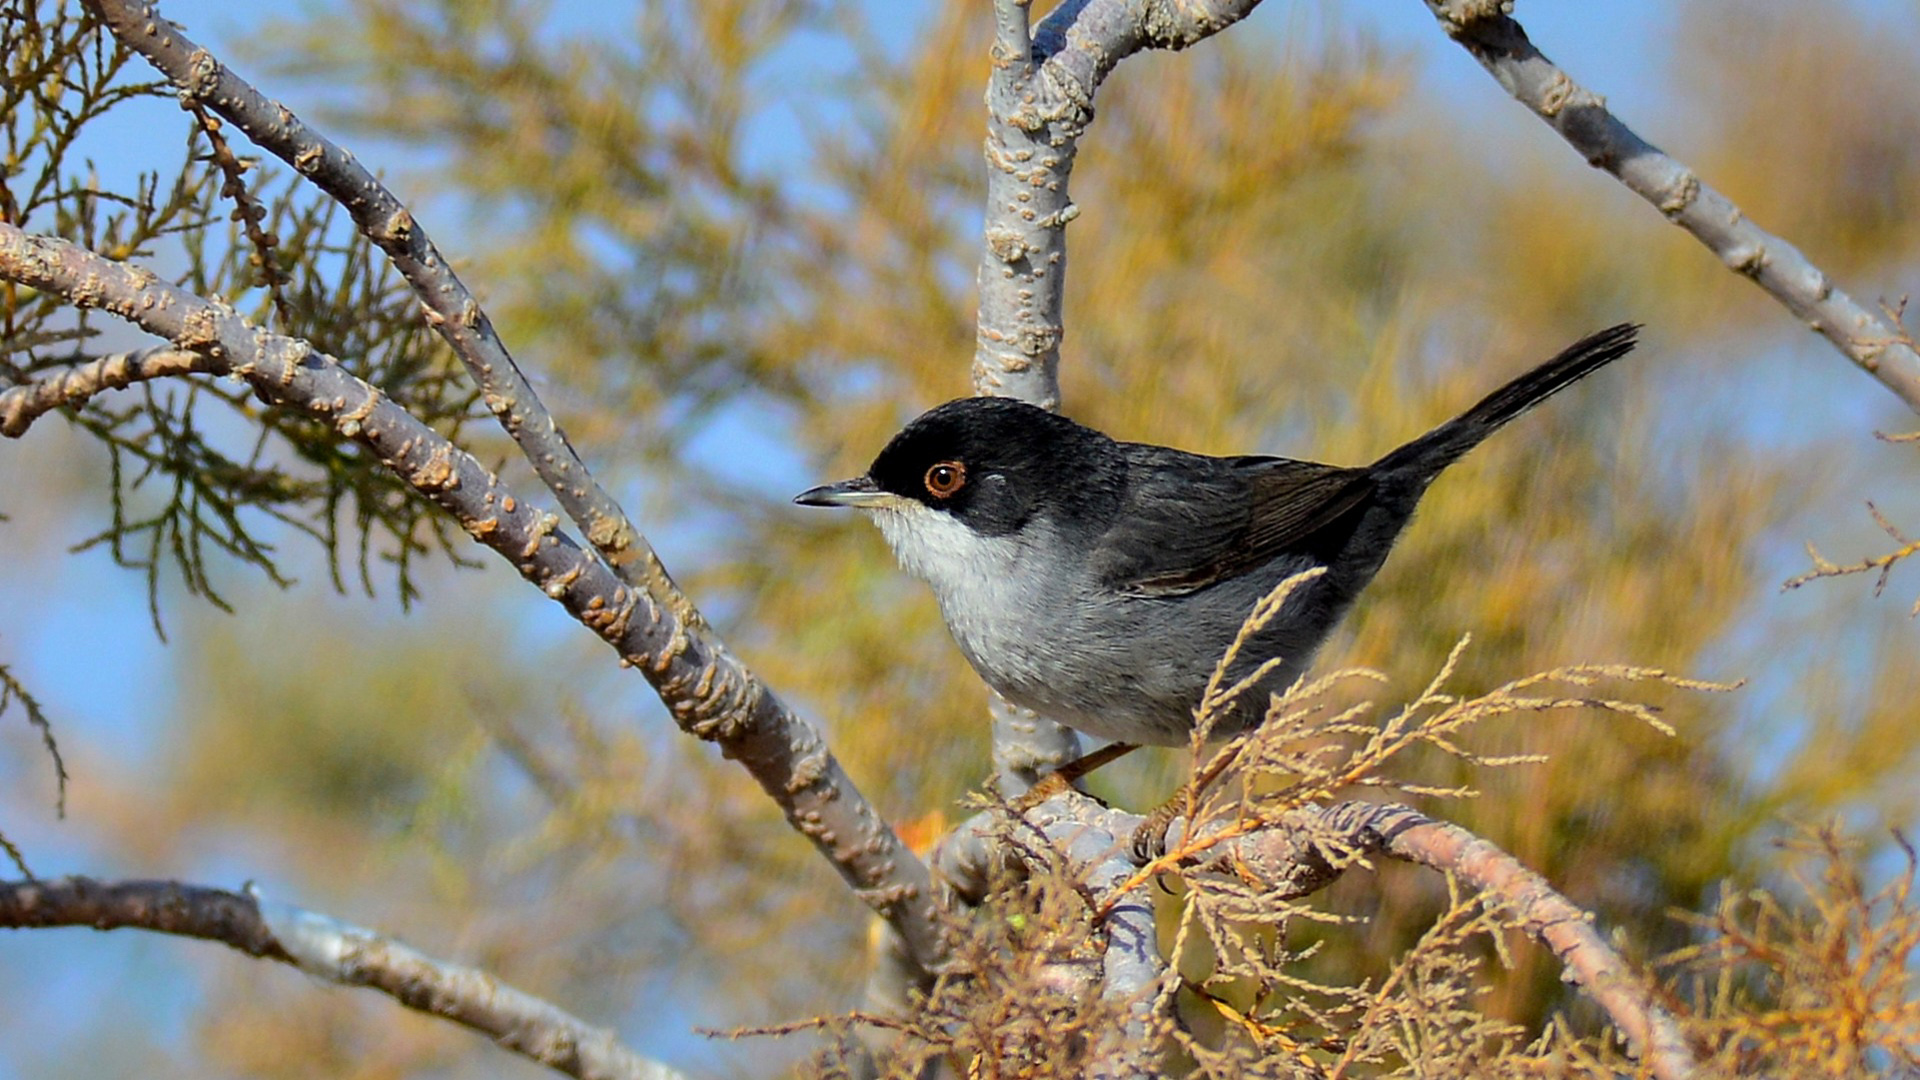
x,y
993,463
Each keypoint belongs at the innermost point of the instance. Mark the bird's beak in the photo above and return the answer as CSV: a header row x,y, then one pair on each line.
x,y
858,492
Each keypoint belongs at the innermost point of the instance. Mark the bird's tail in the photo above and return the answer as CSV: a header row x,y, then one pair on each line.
x,y
1425,456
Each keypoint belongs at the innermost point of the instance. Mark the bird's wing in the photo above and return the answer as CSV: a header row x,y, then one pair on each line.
x,y
1189,521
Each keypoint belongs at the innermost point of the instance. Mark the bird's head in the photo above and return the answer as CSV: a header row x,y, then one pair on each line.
x,y
990,465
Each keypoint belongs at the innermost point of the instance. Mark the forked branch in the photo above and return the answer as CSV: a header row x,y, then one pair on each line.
x,y
709,693
1884,564
1039,101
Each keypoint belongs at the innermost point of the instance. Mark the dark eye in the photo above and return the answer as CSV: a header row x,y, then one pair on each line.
x,y
946,478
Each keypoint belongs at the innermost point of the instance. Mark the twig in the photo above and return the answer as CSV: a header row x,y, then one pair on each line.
x,y
709,693
12,690
338,953
450,308
1581,117
21,405
1822,568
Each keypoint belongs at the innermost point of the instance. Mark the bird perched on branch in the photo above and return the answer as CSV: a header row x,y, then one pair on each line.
x,y
1099,582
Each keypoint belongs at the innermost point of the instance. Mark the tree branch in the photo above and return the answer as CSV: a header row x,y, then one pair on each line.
x,y
450,308
1826,568
338,953
1307,850
1039,102
1404,833
1132,969
21,405
709,692
1581,117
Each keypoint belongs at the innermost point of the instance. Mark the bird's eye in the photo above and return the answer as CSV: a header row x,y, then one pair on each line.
x,y
946,478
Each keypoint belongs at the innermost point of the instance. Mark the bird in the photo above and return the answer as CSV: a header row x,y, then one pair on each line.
x,y
1100,582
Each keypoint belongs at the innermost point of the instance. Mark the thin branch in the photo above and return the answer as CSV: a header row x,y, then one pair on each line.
x,y
21,405
449,306
1824,568
339,953
12,690
709,693
1581,117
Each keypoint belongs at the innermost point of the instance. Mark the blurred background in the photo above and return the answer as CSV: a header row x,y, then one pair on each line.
x,y
735,242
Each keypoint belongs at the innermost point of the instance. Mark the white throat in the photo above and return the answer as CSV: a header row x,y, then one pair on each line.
x,y
935,547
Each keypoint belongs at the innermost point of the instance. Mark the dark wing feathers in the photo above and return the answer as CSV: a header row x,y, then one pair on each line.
x,y
1189,520
1294,500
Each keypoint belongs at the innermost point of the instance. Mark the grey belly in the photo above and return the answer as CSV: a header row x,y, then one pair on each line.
x,y
1134,668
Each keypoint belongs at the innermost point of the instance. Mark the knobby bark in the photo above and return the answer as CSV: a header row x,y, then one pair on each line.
x,y
709,694
1040,93
450,308
1040,102
709,691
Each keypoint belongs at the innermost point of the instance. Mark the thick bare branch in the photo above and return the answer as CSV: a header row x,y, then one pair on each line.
x,y
21,405
338,953
204,82
708,691
1039,101
1094,841
1131,969
1581,117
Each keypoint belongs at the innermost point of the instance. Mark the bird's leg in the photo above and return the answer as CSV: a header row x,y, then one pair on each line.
x,y
1150,836
1062,779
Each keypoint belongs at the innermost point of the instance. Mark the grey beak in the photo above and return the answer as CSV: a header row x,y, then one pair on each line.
x,y
859,491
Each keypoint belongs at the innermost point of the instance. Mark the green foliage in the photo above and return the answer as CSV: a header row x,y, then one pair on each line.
x,y
13,694
202,467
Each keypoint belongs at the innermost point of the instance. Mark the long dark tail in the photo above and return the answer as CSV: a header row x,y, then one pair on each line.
x,y
1425,456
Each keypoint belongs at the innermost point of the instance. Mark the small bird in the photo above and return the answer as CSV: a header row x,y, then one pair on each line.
x,y
1099,582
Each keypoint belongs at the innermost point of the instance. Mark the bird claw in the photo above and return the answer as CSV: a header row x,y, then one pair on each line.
x,y
1150,836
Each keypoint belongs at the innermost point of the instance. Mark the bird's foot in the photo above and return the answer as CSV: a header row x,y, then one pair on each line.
x,y
1150,836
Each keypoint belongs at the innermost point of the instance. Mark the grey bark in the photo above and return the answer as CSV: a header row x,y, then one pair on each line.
x,y
339,953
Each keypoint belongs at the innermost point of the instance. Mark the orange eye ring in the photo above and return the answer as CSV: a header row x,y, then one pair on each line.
x,y
945,479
